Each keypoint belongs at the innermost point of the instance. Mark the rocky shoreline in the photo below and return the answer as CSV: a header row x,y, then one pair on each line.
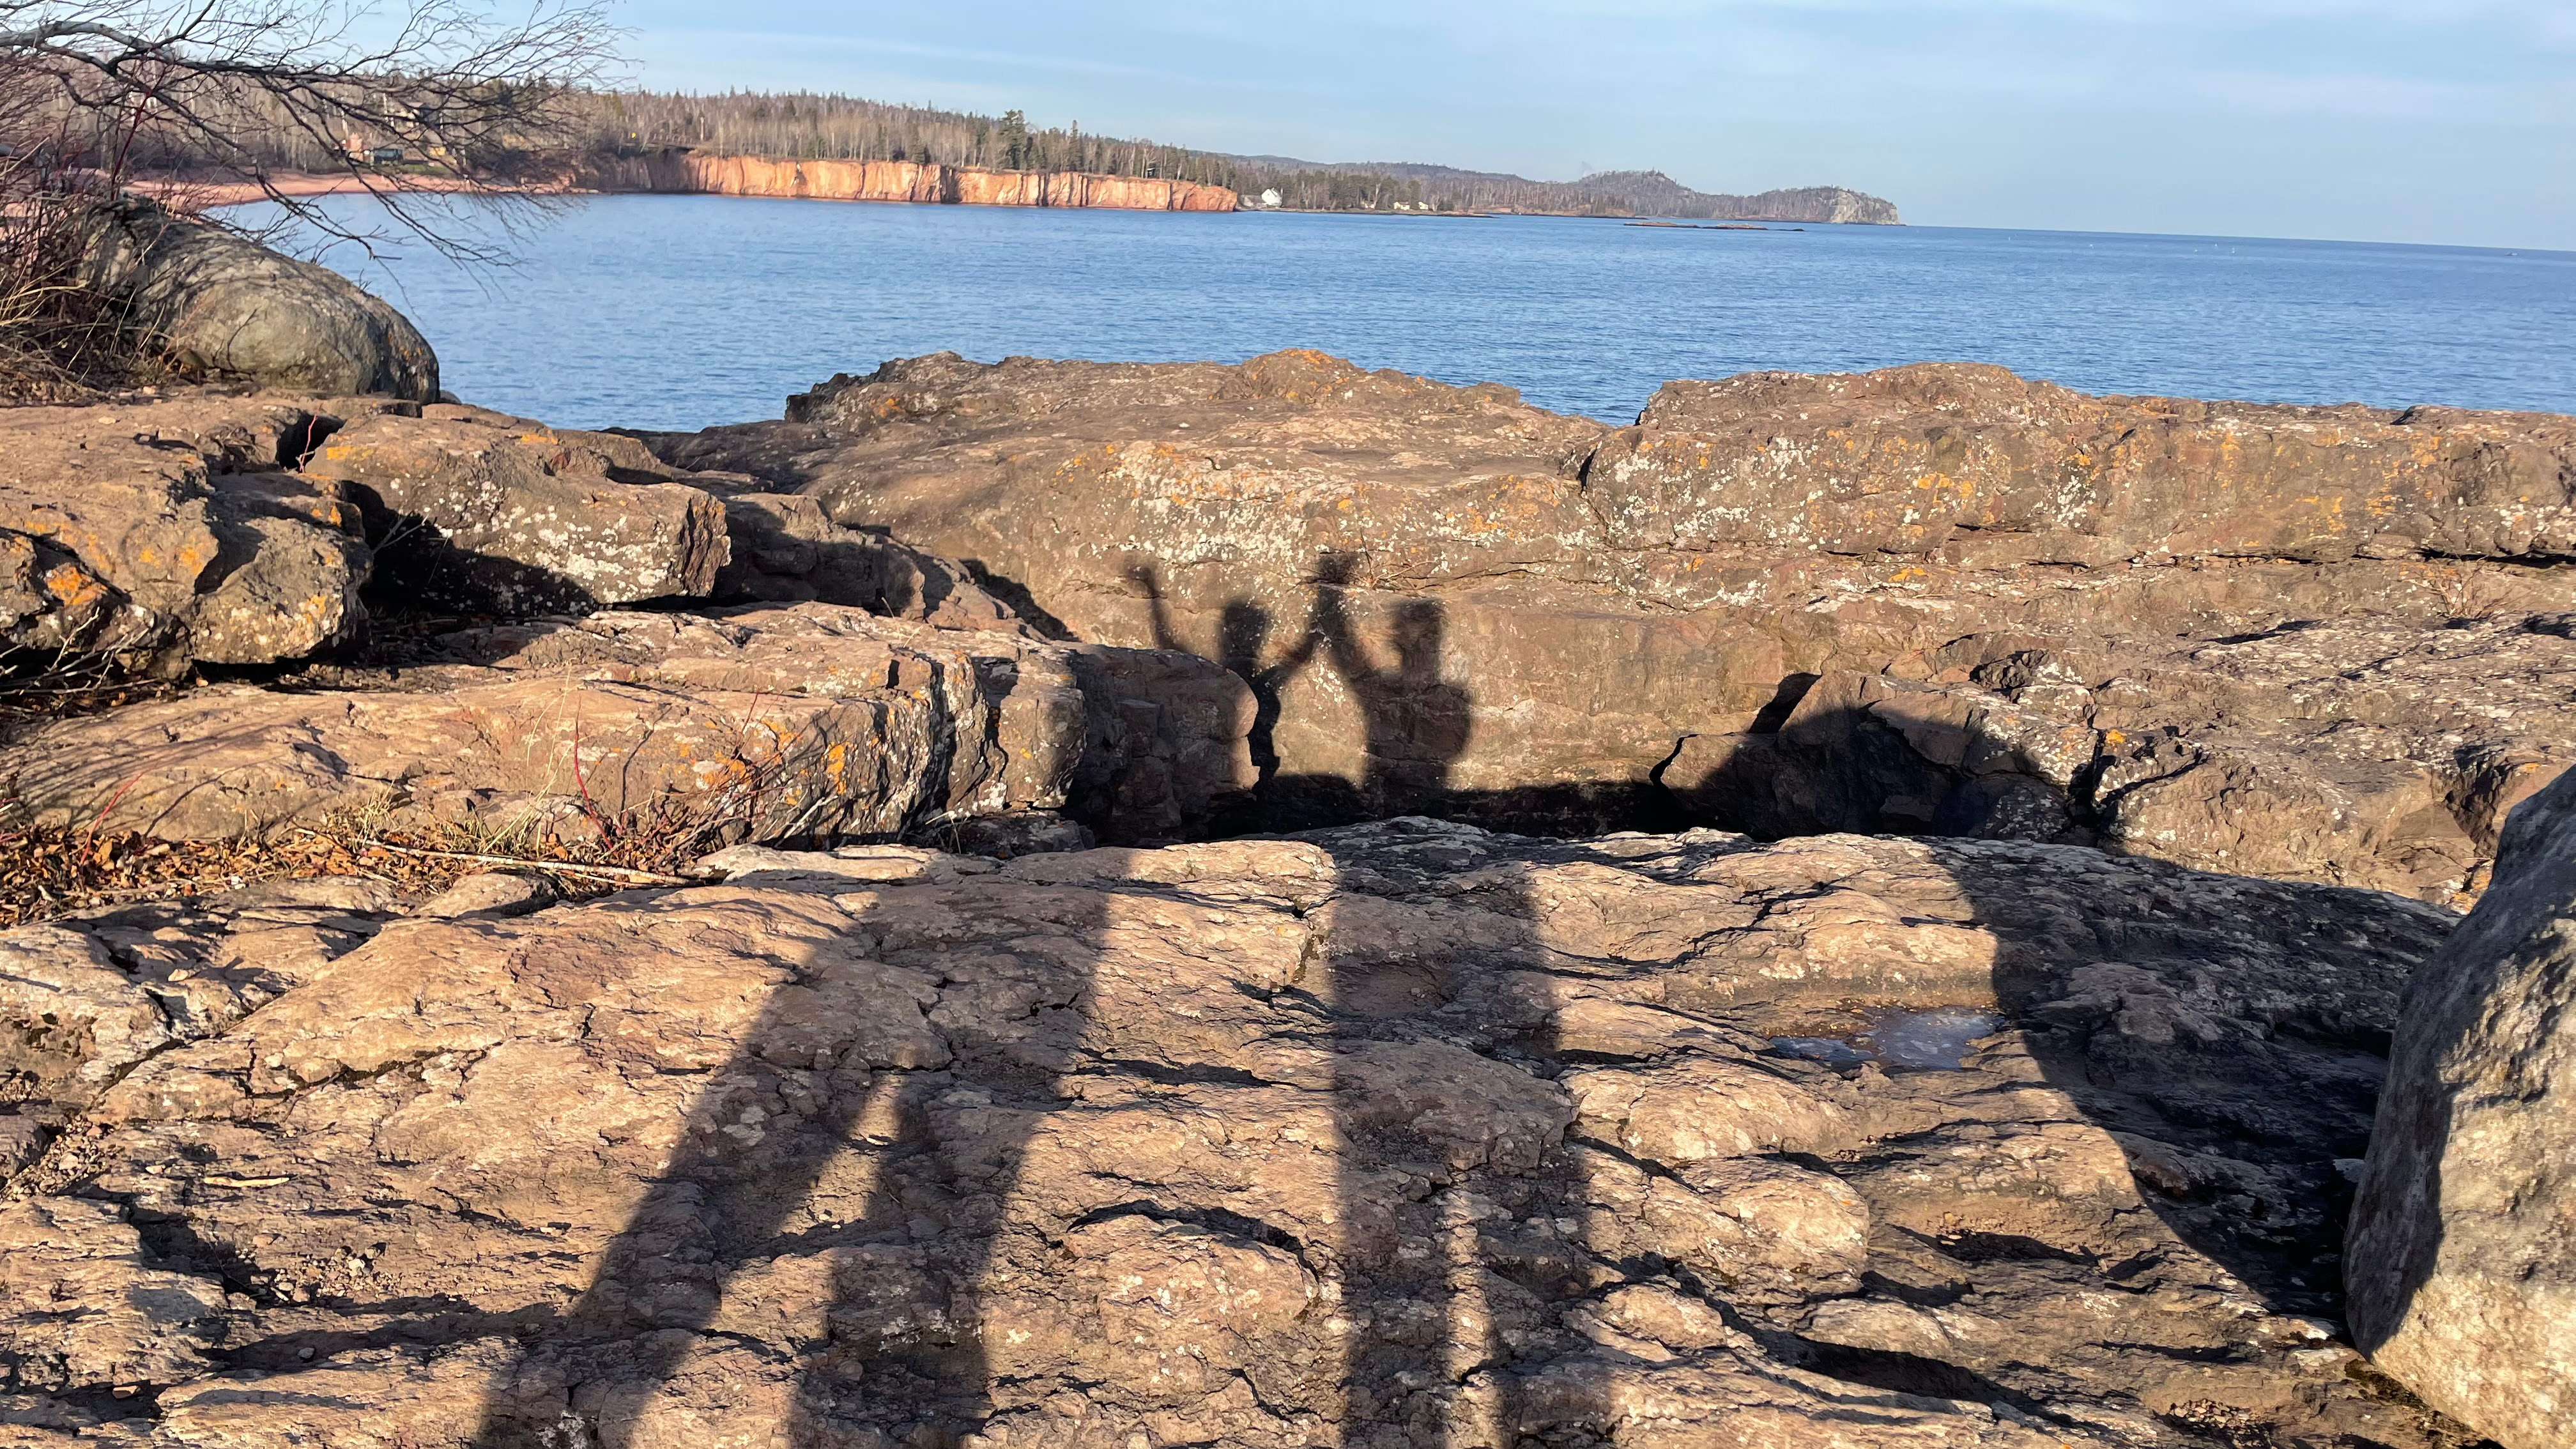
x,y
1280,905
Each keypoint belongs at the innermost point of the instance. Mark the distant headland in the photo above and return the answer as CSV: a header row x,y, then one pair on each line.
x,y
831,147
849,148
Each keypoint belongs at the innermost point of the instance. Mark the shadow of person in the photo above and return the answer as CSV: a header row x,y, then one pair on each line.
x,y
805,1267
1414,723
2237,1093
1243,638
1242,647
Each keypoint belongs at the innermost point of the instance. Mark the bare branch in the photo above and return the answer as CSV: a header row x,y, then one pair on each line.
x,y
437,97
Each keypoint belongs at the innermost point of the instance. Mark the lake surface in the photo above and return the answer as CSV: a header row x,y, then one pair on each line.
x,y
683,311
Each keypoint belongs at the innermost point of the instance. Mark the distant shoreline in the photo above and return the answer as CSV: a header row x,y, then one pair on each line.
x,y
187,193
681,173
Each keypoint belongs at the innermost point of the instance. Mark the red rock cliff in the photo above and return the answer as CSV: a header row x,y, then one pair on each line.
x,y
676,171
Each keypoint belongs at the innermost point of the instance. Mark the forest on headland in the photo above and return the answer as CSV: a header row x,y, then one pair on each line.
x,y
808,126
805,125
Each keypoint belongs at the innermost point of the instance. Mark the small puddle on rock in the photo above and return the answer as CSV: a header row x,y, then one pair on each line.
x,y
1914,1041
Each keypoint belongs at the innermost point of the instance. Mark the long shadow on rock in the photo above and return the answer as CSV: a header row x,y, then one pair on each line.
x,y
1513,1268
847,1168
1608,1122
2244,1098
1794,1087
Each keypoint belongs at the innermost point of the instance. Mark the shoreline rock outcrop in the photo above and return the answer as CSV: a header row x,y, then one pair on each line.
x,y
1454,603
691,173
908,1117
2462,1282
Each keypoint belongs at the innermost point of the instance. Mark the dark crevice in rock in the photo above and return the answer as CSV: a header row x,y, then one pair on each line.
x,y
1906,1373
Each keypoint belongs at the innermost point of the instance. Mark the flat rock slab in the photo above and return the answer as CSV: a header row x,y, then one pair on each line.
x,y
1454,603
762,723
1394,1135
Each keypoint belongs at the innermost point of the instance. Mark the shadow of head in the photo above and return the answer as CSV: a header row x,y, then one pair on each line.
x,y
1419,626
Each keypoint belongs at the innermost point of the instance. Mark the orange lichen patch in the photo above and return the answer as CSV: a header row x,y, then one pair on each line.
x,y
72,586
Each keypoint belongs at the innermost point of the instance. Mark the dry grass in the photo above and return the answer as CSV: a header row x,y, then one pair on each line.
x,y
582,848
59,341
47,872
50,872
40,685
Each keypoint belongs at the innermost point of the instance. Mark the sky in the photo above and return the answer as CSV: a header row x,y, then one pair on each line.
x,y
2442,121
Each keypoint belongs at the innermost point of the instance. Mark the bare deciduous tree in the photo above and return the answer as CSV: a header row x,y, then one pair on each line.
x,y
413,99
198,101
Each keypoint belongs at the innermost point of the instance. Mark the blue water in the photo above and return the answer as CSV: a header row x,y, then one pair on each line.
x,y
678,312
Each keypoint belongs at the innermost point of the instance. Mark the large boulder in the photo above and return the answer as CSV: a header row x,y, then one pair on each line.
x,y
475,511
1405,1134
815,721
2462,1265
1452,602
176,532
222,306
